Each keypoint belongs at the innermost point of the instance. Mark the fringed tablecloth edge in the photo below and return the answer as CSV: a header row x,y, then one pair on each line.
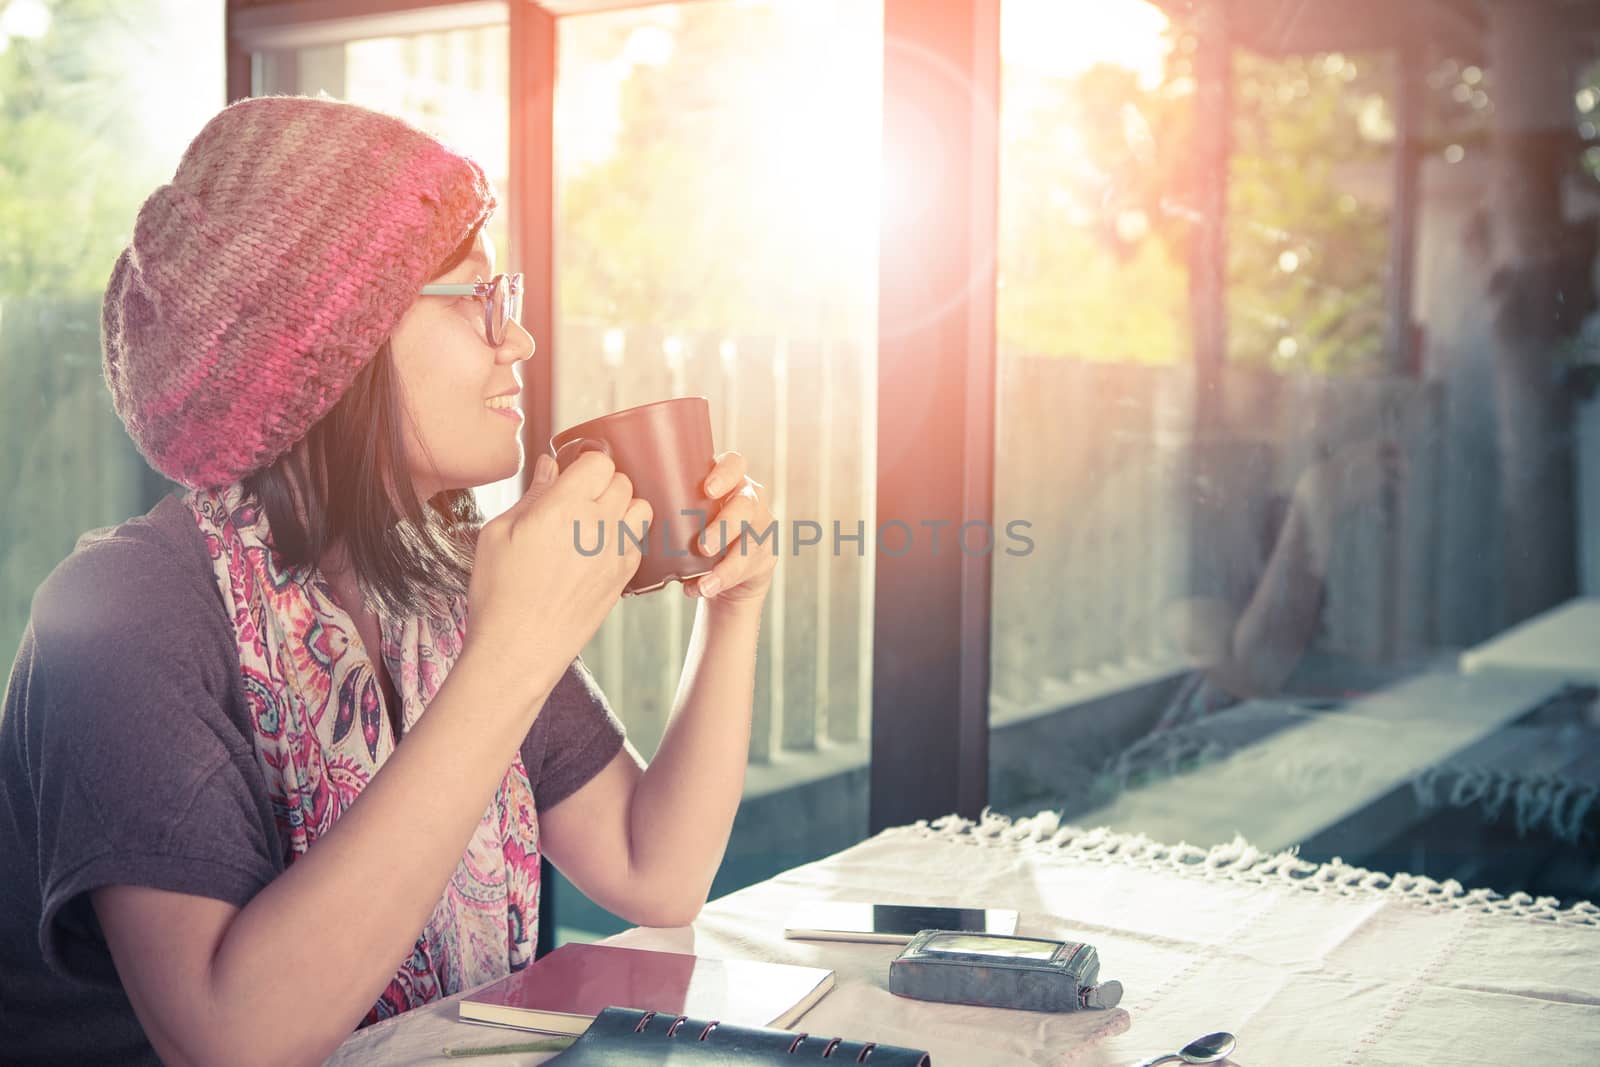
x,y
1237,861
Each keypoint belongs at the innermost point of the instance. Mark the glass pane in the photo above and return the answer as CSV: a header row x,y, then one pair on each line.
x,y
1094,400
1295,349
452,83
95,117
716,235
1308,212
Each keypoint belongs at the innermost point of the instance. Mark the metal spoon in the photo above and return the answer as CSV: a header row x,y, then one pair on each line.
x,y
1208,1049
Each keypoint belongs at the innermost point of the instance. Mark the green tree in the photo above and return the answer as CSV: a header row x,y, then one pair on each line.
x,y
1083,271
74,164
1097,211
1307,258
684,225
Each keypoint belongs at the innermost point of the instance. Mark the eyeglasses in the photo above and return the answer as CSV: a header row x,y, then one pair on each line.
x,y
501,297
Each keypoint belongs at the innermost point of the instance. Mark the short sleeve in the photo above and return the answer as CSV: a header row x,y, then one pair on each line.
x,y
572,740
141,769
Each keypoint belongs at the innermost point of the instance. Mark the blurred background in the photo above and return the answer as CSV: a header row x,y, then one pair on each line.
x,y
1293,348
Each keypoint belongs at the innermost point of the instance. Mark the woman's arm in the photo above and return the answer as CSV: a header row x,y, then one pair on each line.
x,y
646,844
286,978
1279,623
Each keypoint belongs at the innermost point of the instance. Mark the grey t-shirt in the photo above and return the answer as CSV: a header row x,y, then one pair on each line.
x,y
126,759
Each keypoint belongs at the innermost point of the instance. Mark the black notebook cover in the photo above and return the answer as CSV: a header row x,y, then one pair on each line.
x,y
626,1037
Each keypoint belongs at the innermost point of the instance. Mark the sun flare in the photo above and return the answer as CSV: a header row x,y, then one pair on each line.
x,y
1064,38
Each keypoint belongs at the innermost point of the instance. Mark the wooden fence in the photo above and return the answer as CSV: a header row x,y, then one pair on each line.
x,y
1096,458
799,412
1101,459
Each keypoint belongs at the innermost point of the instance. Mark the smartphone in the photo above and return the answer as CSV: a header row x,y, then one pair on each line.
x,y
891,924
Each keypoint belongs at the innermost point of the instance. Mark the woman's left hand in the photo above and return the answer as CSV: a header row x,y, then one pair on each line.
x,y
744,573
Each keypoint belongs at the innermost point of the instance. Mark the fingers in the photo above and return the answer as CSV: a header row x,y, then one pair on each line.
x,y
637,514
588,477
629,548
733,569
743,563
726,474
541,478
618,492
618,504
726,527
585,479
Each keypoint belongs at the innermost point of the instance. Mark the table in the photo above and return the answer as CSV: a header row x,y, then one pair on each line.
x,y
1559,641
1306,964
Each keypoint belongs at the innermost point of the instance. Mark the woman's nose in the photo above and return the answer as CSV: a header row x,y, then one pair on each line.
x,y
517,346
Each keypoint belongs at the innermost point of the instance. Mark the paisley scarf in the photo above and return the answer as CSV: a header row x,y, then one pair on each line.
x,y
321,733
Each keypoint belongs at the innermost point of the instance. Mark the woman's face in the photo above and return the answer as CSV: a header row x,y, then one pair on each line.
x,y
460,392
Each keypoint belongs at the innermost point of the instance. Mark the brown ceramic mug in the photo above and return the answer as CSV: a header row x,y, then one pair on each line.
x,y
665,450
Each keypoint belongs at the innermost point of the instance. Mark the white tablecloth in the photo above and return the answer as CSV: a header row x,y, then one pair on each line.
x,y
1307,965
1560,641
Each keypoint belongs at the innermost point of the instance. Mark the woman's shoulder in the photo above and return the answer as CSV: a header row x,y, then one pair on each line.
x,y
128,638
151,572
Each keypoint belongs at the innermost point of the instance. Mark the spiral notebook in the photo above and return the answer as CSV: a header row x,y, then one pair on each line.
x,y
563,992
627,1037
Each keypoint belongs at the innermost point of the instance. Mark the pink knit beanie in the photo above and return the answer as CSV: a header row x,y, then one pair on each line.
x,y
292,238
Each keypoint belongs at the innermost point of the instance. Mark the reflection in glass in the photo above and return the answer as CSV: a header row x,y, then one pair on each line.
x,y
95,116
1262,547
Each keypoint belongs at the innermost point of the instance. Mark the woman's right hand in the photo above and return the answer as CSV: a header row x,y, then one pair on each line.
x,y
534,598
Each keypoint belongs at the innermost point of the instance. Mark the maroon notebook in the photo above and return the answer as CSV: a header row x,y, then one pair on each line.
x,y
564,991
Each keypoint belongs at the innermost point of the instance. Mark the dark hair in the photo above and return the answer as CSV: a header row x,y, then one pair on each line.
x,y
346,485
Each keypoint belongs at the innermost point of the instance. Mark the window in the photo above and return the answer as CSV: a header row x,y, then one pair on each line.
x,y
1286,387
96,116
716,235
1095,388
1281,470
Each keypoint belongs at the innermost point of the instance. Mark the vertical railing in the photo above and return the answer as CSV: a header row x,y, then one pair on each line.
x,y
70,466
1094,455
759,435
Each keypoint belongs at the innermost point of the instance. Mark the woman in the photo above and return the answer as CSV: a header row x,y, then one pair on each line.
x,y
216,847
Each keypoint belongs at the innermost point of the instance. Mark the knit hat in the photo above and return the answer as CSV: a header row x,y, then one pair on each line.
x,y
292,238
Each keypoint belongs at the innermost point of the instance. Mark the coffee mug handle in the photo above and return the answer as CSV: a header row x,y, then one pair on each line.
x,y
578,446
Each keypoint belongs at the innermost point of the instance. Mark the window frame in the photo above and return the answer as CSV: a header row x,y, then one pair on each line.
x,y
932,619
930,710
